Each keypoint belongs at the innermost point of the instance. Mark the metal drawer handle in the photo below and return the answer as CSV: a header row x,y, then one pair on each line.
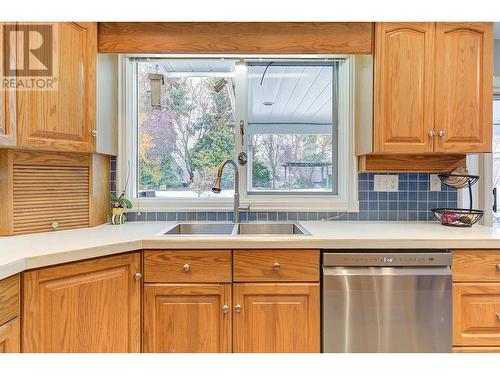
x,y
186,268
237,308
225,309
276,266
498,267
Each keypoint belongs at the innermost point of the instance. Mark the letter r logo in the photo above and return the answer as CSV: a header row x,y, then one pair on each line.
x,y
28,50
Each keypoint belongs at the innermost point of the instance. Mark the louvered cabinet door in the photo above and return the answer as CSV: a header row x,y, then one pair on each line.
x,y
49,191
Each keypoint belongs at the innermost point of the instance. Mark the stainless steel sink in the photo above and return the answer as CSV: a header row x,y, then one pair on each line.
x,y
272,229
188,229
256,229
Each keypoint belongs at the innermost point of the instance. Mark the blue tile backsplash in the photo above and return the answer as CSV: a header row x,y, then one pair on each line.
x,y
412,202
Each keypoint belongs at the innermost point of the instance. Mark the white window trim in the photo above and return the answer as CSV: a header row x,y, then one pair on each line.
x,y
345,201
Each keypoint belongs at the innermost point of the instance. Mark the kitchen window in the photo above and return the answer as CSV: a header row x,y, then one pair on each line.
x,y
291,117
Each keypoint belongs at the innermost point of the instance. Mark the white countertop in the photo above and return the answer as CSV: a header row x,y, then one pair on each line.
x,y
19,253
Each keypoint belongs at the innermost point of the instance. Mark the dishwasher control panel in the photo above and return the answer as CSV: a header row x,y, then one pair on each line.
x,y
387,259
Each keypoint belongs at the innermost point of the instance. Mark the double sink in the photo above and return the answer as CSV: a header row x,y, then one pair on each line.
x,y
257,229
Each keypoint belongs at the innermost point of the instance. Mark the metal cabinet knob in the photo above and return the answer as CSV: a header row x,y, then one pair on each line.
x,y
225,309
441,133
237,308
186,268
55,225
138,276
498,315
276,266
498,267
432,133
93,133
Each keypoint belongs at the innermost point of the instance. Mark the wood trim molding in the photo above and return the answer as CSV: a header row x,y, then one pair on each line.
x,y
100,205
236,37
410,163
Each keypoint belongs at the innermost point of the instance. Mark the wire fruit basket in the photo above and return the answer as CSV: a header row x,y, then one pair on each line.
x,y
458,217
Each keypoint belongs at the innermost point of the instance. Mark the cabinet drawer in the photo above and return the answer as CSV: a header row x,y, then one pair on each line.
x,y
9,298
276,265
187,266
476,314
476,265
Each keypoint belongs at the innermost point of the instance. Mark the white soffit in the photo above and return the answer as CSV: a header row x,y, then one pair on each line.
x,y
297,94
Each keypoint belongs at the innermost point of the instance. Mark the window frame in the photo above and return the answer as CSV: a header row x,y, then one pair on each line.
x,y
346,198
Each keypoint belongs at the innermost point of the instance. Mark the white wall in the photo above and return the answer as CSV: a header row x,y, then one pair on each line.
x,y
496,48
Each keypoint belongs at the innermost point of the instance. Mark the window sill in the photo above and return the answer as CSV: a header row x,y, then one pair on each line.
x,y
316,204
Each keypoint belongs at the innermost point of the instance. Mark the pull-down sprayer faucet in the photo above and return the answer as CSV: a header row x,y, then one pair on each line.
x,y
217,189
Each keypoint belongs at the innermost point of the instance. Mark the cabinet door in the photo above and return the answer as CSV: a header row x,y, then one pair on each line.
x,y
187,318
10,337
464,87
476,314
62,119
403,112
7,100
87,306
276,318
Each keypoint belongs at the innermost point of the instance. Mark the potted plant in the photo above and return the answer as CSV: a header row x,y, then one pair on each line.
x,y
119,204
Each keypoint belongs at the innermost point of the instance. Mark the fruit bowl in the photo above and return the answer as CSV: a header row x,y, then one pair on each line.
x,y
457,217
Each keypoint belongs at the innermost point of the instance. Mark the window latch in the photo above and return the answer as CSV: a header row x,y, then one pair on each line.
x,y
495,199
242,132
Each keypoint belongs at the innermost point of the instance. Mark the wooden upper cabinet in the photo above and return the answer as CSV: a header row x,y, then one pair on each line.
x,y
187,318
276,318
63,119
403,107
433,85
7,101
87,306
464,87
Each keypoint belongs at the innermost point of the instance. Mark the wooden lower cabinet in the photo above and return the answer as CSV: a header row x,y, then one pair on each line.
x,y
10,337
187,318
476,314
276,317
87,306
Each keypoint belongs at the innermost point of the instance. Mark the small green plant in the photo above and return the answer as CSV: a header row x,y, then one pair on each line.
x,y
120,202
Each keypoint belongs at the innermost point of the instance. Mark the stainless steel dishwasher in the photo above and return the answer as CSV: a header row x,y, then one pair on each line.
x,y
386,302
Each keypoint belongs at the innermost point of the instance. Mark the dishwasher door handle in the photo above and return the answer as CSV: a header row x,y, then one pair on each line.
x,y
387,271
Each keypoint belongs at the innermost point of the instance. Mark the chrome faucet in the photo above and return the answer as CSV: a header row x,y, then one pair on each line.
x,y
217,189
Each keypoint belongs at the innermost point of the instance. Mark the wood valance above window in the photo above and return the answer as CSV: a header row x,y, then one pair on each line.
x,y
236,37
